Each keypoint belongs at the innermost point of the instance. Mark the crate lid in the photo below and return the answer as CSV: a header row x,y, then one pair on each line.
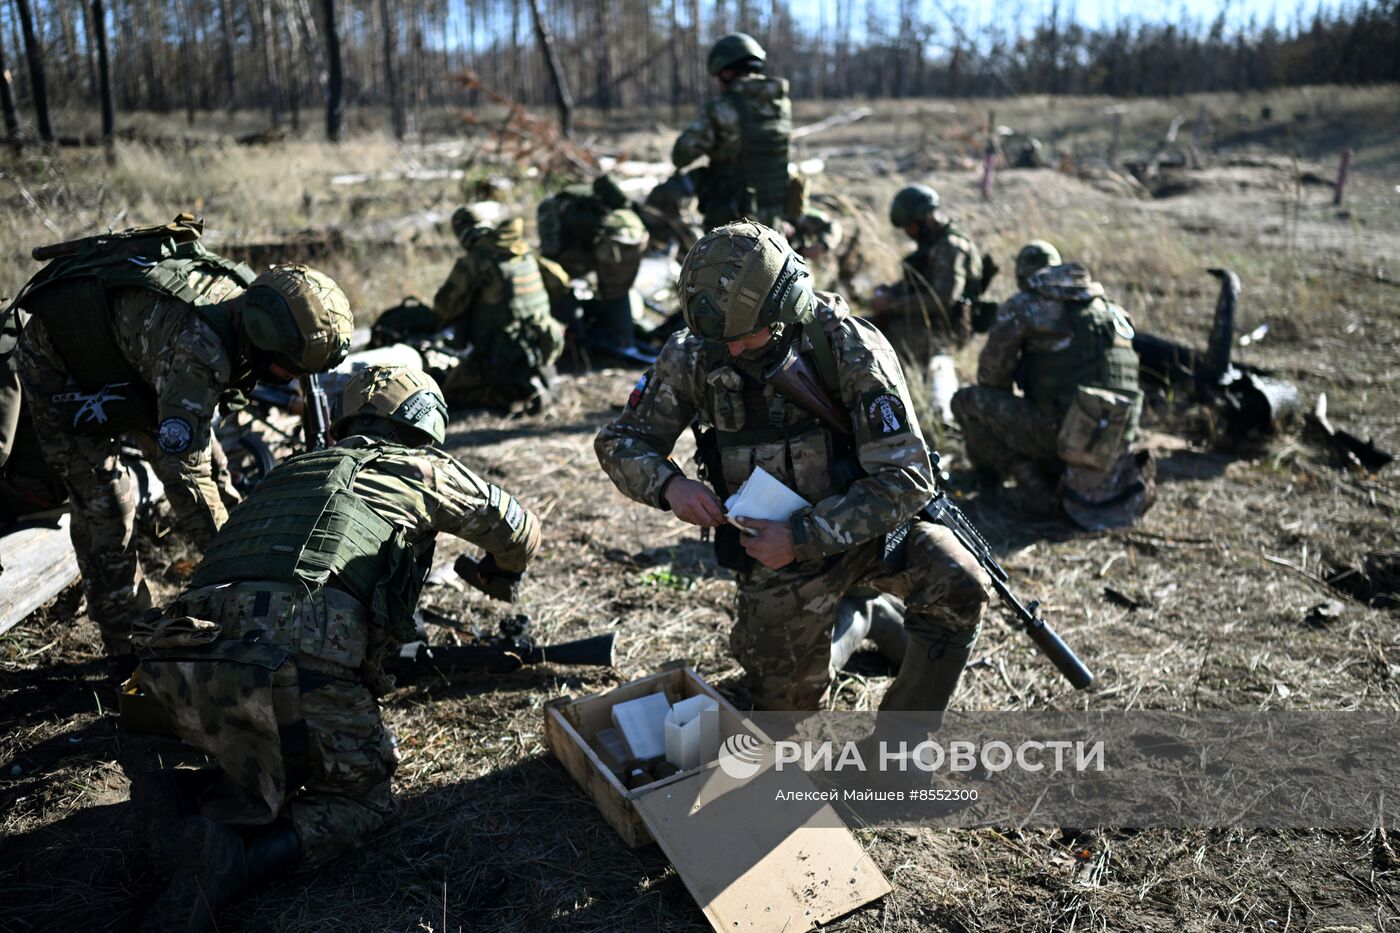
x,y
755,864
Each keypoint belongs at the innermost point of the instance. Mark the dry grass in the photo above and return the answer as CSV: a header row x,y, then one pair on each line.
x,y
493,835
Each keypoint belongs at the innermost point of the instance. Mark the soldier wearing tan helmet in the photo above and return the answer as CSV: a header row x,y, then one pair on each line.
x,y
748,302
141,334
1066,440
270,662
497,300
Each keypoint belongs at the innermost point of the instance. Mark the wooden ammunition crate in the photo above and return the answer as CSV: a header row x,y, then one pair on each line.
x,y
750,865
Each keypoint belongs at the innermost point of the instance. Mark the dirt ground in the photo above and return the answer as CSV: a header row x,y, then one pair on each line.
x,y
1228,570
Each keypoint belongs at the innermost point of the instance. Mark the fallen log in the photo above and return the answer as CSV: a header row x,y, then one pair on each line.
x,y
38,563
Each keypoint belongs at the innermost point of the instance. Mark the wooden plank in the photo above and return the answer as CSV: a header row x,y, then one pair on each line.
x,y
753,864
39,563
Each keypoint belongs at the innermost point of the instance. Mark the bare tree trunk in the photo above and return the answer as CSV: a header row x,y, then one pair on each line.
x,y
391,77
603,77
273,93
38,86
182,10
104,75
89,48
7,102
335,86
556,70
675,64
226,39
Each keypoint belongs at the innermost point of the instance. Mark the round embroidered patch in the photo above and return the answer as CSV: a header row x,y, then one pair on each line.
x,y
885,414
175,435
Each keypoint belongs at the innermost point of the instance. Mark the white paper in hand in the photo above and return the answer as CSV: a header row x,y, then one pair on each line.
x,y
763,496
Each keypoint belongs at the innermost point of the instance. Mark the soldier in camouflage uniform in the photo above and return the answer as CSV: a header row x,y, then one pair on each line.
x,y
745,132
929,313
592,228
270,662
747,300
1073,428
496,300
143,334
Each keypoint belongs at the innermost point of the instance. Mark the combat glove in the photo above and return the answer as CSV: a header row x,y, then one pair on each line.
x,y
490,579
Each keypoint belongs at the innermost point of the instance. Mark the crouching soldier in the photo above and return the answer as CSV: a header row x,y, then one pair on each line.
x,y
1068,440
592,228
143,333
496,301
748,305
270,662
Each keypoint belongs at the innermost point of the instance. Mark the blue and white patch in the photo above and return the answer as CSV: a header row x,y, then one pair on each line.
x,y
174,436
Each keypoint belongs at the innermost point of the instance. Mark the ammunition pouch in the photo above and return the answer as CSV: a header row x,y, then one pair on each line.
x,y
1094,432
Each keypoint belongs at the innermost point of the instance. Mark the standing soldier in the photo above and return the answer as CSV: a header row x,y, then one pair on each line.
x,y
592,228
929,313
748,302
270,662
1075,424
745,132
142,333
496,301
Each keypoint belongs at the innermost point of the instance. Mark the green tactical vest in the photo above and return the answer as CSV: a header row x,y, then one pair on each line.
x,y
303,525
1099,354
765,113
70,295
521,295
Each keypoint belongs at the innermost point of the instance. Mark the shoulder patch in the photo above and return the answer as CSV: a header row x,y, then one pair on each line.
x,y
175,436
639,390
885,414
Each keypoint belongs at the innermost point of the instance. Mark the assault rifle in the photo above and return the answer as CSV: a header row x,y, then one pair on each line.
x,y
315,413
511,650
795,381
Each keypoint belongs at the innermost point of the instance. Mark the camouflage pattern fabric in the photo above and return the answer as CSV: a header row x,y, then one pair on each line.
x,y
278,683
786,616
718,134
926,314
1002,430
816,235
514,336
12,321
183,360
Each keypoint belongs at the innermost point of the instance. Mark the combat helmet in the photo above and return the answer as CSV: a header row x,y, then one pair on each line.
x,y
297,318
1034,256
402,395
741,278
732,49
912,204
464,221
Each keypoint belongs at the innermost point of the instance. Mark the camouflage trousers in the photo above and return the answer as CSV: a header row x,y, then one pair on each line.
x,y
786,617
1004,431
101,493
506,366
295,736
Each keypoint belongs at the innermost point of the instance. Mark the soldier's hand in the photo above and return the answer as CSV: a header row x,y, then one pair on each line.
x,y
485,576
693,502
772,545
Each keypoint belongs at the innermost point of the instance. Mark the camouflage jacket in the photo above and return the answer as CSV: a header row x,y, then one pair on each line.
x,y
1033,321
179,355
425,490
635,449
937,275
494,285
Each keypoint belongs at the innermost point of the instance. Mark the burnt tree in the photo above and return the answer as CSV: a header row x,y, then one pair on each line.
x,y
34,52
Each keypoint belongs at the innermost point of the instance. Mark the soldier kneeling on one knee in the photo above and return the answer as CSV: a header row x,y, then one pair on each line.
x,y
270,662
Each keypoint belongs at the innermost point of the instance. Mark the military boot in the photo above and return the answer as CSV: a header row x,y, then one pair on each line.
x,y
163,801
219,867
929,674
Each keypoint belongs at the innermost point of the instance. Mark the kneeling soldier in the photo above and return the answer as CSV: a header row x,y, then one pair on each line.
x,y
748,305
271,661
